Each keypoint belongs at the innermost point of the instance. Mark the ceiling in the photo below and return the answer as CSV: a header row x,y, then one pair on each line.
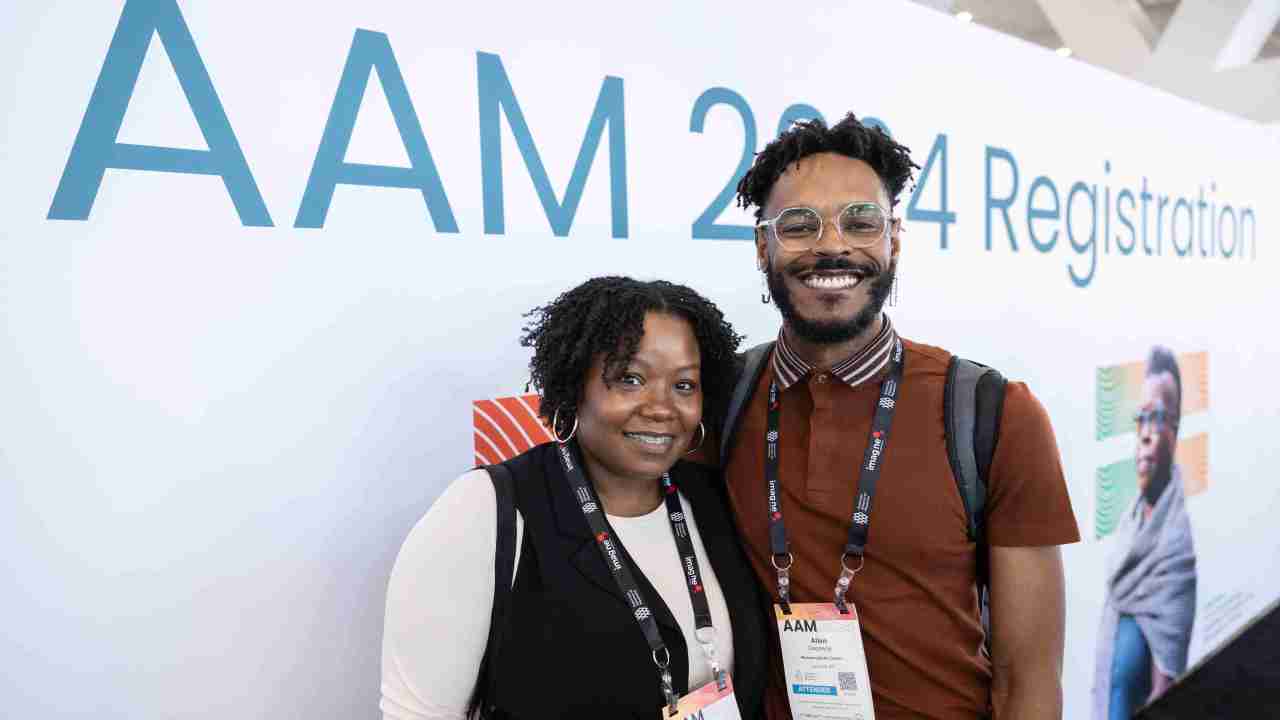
x,y
1221,53
1025,19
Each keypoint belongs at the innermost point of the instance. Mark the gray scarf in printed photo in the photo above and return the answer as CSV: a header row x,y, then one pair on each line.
x,y
1152,577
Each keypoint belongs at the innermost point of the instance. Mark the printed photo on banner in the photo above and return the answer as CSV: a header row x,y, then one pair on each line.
x,y
1153,411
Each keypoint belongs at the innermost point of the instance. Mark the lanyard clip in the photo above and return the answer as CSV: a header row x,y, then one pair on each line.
x,y
664,673
706,638
784,581
670,693
845,580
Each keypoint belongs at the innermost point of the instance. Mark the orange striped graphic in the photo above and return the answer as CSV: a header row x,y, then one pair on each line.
x,y
1195,382
1193,455
507,426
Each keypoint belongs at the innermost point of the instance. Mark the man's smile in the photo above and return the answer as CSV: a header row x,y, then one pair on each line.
x,y
831,279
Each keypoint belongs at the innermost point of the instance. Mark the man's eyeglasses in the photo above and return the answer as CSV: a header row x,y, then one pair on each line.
x,y
1159,418
859,224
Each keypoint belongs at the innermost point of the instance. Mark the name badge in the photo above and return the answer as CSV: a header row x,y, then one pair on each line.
x,y
709,702
824,661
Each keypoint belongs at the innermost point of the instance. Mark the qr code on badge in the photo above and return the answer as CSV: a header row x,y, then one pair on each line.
x,y
848,681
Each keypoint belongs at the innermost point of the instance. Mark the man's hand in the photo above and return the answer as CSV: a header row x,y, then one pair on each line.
x,y
1027,632
1159,683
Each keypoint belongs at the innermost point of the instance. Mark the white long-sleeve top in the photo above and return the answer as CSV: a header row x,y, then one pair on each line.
x,y
433,640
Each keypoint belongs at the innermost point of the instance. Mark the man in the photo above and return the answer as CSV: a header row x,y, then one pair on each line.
x,y
828,245
1151,580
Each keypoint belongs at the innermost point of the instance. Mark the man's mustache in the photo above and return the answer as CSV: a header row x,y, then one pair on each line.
x,y
864,269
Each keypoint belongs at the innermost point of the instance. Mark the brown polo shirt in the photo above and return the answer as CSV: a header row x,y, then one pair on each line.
x,y
915,595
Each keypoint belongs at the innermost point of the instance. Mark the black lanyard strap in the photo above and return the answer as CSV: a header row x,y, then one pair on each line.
x,y
704,631
869,474
615,559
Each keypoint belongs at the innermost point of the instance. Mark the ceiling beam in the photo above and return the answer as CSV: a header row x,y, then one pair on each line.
x,y
1250,35
1207,54
1200,31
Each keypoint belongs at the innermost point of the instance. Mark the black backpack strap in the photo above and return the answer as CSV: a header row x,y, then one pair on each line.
x,y
751,364
504,564
972,404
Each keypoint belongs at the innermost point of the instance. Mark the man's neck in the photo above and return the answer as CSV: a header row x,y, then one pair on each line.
x,y
824,356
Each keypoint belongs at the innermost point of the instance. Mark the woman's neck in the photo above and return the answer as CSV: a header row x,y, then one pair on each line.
x,y
622,496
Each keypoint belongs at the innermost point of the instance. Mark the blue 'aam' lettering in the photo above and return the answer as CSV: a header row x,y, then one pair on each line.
x,y
371,50
497,96
95,148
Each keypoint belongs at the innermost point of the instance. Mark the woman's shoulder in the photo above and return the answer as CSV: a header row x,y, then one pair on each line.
x,y
467,492
464,513
473,490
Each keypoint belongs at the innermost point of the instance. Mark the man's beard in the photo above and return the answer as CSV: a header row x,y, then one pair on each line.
x,y
830,332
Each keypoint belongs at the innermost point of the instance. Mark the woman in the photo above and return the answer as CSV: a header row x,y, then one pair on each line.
x,y
614,613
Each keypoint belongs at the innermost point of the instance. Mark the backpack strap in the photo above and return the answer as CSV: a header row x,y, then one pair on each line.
x,y
973,401
751,364
486,691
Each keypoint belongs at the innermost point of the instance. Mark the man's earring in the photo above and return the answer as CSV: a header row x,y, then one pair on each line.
x,y
765,297
893,291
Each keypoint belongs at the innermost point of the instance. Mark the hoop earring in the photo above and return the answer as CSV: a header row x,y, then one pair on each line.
x,y
555,427
701,441
765,297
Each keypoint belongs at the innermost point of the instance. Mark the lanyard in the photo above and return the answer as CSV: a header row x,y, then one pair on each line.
x,y
615,559
860,521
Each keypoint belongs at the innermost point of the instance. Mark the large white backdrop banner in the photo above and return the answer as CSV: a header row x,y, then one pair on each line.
x,y
258,260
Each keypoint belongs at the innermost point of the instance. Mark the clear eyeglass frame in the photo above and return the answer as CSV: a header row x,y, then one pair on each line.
x,y
854,240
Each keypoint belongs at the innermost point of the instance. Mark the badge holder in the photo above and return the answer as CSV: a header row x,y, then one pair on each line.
x,y
822,652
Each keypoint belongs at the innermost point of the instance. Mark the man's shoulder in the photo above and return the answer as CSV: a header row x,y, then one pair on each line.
x,y
928,365
926,357
935,361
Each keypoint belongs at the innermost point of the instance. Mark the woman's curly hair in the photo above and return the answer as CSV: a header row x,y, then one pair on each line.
x,y
606,315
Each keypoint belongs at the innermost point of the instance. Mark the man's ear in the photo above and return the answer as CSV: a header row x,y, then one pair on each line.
x,y
762,250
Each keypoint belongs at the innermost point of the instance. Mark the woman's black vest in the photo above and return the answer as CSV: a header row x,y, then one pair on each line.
x,y
572,648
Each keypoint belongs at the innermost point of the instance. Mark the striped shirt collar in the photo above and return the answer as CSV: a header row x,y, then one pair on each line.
x,y
863,365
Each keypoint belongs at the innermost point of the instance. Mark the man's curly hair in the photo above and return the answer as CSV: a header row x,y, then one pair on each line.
x,y
849,137
606,315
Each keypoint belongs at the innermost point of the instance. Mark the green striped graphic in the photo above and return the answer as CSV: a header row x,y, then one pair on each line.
x,y
1111,402
1117,487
